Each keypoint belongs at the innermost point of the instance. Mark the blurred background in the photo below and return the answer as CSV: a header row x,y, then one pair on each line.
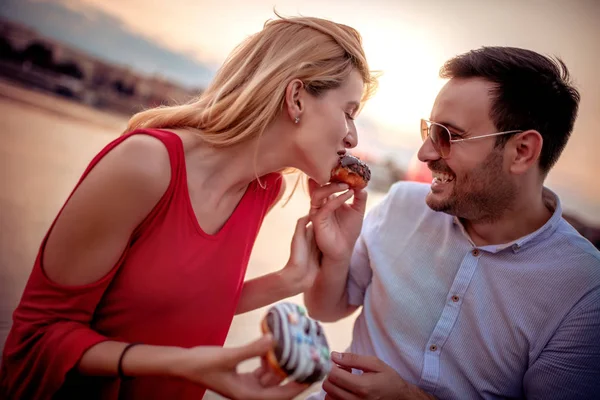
x,y
73,71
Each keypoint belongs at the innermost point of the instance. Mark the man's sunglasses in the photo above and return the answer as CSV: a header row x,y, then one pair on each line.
x,y
441,137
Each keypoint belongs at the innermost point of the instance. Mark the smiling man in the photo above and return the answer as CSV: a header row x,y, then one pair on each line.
x,y
474,287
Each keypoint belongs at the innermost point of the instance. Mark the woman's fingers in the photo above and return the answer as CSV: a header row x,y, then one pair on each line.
x,y
359,203
320,195
333,204
257,348
301,228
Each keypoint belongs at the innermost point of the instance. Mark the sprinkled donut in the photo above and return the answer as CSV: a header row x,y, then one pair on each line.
x,y
301,351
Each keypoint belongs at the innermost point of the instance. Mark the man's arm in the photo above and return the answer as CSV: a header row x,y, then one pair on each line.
x,y
569,365
340,287
327,299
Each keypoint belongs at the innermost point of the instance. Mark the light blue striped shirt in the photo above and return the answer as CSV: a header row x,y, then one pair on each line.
x,y
520,320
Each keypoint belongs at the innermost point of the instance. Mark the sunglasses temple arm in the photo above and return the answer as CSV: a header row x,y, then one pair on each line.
x,y
482,136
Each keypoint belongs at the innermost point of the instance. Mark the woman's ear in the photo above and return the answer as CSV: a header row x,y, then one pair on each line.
x,y
294,102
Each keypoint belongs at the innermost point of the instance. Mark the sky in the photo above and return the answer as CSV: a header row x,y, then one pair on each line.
x,y
407,40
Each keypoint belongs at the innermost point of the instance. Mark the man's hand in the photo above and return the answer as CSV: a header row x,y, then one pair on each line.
x,y
378,381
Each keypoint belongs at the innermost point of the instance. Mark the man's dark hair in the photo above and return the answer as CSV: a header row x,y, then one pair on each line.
x,y
531,92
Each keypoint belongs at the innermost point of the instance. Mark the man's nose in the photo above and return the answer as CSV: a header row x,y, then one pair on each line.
x,y
427,152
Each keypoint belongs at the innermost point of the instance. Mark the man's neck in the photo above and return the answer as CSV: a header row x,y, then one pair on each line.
x,y
526,216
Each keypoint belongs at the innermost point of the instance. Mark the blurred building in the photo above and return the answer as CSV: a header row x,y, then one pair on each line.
x,y
46,64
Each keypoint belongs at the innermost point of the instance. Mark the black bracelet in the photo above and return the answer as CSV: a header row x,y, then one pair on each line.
x,y
120,365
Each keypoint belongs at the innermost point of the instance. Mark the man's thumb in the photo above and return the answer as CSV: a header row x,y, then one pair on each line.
x,y
350,360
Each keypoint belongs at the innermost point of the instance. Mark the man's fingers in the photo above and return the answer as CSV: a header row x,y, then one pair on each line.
x,y
344,379
347,369
335,392
351,360
287,391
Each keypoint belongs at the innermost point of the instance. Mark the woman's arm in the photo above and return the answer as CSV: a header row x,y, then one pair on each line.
x,y
297,275
95,227
51,326
211,366
140,360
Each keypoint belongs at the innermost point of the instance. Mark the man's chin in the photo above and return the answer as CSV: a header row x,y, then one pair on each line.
x,y
437,204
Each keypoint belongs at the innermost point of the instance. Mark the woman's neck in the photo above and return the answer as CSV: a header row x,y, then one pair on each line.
x,y
229,170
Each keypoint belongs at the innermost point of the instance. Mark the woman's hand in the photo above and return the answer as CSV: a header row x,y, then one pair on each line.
x,y
296,277
336,224
216,368
303,265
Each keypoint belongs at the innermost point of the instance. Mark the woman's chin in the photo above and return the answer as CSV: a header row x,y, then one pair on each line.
x,y
325,179
320,177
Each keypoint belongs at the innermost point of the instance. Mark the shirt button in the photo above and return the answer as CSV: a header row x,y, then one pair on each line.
x,y
455,298
475,252
433,347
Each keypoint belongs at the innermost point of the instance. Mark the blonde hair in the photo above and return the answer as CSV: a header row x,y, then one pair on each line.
x,y
248,91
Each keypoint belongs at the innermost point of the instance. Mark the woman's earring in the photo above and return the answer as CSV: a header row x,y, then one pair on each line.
x,y
297,120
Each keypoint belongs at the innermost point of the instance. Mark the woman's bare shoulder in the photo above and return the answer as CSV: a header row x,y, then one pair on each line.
x,y
96,223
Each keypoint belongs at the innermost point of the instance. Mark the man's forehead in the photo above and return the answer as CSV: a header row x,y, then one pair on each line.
x,y
463,102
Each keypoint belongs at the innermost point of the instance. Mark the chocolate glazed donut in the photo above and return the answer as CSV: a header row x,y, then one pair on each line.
x,y
352,171
301,351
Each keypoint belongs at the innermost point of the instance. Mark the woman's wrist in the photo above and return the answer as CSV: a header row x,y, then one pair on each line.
x,y
291,281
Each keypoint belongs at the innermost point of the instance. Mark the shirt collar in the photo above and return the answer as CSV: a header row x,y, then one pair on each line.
x,y
552,202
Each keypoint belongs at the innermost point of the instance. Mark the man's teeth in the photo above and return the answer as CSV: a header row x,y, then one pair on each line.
x,y
442,177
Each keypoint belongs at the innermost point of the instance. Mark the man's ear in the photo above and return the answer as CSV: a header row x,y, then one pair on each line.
x,y
294,102
525,150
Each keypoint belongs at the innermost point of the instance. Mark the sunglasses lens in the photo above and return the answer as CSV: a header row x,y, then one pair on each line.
x,y
424,130
440,139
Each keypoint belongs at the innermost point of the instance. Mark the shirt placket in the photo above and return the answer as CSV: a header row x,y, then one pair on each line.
x,y
441,332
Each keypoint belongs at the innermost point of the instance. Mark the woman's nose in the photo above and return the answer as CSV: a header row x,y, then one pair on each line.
x,y
351,139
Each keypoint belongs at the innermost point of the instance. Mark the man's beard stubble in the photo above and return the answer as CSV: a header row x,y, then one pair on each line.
x,y
483,194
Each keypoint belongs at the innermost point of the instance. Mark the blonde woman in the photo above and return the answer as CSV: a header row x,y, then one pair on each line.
x,y
139,277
